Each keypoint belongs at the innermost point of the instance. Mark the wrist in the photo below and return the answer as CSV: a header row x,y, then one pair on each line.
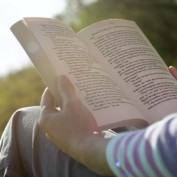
x,y
92,153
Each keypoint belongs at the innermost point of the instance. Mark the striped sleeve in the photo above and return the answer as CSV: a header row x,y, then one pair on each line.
x,y
150,152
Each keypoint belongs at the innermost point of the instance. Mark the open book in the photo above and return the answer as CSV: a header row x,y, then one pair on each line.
x,y
116,71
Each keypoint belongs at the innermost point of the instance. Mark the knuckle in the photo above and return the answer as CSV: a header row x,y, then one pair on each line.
x,y
43,119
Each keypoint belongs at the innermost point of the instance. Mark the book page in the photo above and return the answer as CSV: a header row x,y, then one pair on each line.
x,y
127,54
69,56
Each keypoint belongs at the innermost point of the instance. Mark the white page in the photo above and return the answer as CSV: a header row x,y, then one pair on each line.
x,y
135,64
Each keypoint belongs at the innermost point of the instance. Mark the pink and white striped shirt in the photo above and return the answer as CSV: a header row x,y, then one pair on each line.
x,y
149,152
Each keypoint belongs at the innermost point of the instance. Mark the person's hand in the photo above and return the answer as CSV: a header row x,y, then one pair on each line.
x,y
72,128
73,122
173,71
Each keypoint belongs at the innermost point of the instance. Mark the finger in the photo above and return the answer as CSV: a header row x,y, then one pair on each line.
x,y
48,111
47,99
65,88
47,118
173,71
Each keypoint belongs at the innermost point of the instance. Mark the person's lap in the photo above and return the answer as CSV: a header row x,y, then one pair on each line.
x,y
25,150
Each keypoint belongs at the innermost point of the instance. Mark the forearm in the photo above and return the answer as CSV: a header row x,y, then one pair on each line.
x,y
146,152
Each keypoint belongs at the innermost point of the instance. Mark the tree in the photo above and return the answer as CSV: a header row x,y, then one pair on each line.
x,y
157,19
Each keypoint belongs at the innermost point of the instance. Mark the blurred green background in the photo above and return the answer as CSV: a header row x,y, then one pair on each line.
x,y
156,18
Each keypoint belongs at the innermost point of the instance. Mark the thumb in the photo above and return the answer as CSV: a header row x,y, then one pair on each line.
x,y
65,88
173,71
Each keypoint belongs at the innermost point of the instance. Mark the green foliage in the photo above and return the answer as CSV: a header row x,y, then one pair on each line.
x,y
156,18
17,90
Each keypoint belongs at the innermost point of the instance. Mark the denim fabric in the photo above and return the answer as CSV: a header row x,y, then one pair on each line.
x,y
26,152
